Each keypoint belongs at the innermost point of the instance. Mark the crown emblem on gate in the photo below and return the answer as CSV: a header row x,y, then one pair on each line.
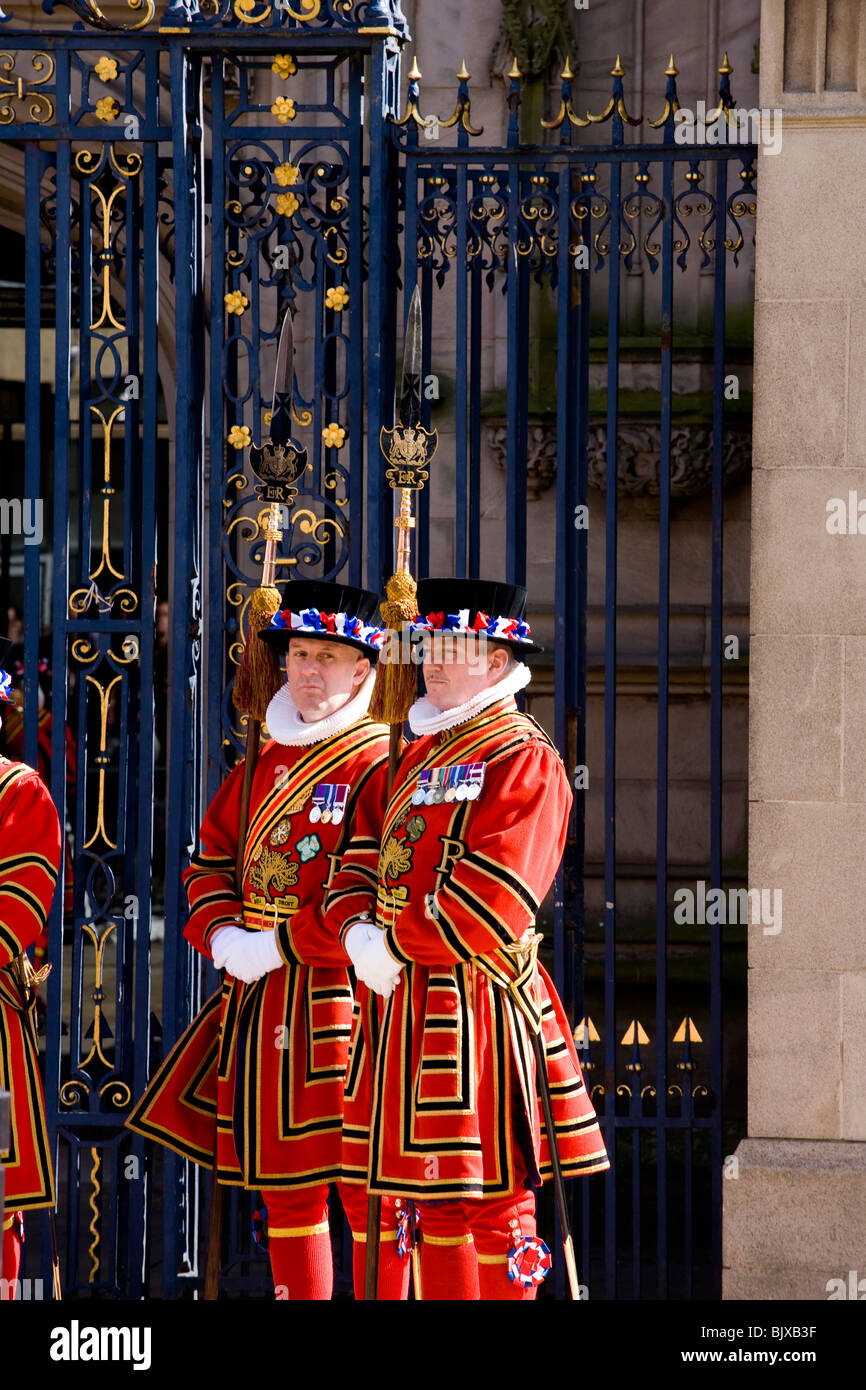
x,y
279,466
408,450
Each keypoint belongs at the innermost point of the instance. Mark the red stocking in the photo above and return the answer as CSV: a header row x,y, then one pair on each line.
x,y
300,1243
394,1269
302,1266
11,1261
494,1283
449,1268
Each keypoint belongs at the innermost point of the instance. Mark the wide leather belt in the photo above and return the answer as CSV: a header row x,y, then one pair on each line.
x,y
266,918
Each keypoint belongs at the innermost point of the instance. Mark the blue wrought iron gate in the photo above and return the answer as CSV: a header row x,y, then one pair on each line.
x,y
182,184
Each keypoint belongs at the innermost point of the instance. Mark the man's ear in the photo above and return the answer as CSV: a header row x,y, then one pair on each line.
x,y
362,668
498,662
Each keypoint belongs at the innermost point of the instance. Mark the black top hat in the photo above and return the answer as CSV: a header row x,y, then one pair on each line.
x,y
476,605
332,612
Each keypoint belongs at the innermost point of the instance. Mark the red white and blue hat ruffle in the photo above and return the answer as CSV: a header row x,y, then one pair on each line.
x,y
501,629
333,624
323,609
490,608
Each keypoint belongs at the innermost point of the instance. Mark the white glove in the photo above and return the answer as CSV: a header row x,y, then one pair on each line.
x,y
253,956
221,942
356,938
375,966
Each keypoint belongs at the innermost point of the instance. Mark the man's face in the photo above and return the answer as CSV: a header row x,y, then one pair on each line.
x,y
323,676
457,667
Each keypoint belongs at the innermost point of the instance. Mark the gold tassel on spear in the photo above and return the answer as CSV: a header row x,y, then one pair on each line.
x,y
408,448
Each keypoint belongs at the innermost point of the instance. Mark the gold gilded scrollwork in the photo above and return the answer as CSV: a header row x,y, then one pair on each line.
x,y
107,491
332,481
129,647
40,107
103,22
74,1092
95,1189
117,1093
99,944
115,1090
102,761
245,11
317,526
81,599
82,651
309,9
337,254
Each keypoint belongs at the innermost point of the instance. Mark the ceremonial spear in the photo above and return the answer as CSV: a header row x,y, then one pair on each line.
x,y
408,447
278,463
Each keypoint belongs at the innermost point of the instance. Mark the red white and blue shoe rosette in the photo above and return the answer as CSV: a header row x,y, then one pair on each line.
x,y
260,1228
404,1231
529,1262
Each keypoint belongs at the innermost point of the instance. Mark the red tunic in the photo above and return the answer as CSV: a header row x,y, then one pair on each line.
x,y
29,864
263,1065
457,882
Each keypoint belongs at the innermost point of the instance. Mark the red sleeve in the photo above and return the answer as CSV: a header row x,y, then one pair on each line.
x,y
313,935
353,887
514,842
210,880
29,858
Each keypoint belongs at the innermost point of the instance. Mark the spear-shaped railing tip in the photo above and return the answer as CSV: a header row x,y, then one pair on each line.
x,y
515,72
672,104
726,66
463,108
617,70
567,73
412,110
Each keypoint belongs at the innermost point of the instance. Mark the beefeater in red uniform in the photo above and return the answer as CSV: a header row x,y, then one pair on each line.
x,y
30,849
441,1098
262,1068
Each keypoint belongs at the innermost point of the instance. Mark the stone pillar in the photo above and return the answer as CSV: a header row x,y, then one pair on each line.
x,y
795,1200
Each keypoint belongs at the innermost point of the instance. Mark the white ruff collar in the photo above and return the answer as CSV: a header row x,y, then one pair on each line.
x,y
425,718
285,724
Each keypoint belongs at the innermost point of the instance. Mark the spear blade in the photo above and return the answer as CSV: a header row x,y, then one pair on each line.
x,y
410,385
284,372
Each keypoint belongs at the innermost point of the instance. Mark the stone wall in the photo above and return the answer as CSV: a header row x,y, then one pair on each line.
x,y
795,1209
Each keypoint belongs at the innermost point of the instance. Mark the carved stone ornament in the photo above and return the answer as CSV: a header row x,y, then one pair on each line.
x,y
638,457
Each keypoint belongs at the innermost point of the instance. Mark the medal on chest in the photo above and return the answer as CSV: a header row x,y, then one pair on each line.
x,y
458,782
329,803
